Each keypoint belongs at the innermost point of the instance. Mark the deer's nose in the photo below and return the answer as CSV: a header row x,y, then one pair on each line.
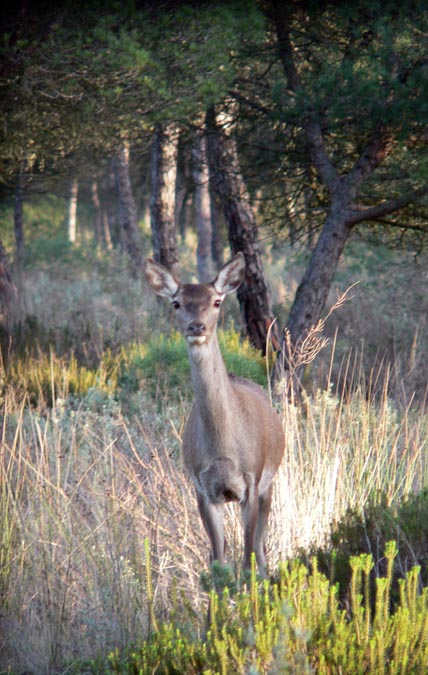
x,y
196,328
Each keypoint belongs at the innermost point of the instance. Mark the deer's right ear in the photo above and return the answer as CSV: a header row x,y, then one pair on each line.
x,y
161,279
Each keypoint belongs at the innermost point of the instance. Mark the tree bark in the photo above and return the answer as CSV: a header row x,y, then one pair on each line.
x,y
8,292
72,211
205,266
242,227
217,242
98,219
162,201
313,290
183,190
106,230
18,218
130,233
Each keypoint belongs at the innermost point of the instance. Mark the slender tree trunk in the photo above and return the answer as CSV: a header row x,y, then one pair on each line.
x,y
106,230
253,293
72,211
8,293
18,218
162,202
98,220
130,233
204,259
217,243
183,190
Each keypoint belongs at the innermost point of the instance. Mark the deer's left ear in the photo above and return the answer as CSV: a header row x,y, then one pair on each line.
x,y
161,279
231,275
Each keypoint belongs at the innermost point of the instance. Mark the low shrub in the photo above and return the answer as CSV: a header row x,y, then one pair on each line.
x,y
162,364
295,625
368,531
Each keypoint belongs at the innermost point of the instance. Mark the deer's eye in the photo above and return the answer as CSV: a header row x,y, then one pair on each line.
x,y
217,303
175,304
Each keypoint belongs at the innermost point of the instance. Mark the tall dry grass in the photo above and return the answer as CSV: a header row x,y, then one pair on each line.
x,y
339,455
86,493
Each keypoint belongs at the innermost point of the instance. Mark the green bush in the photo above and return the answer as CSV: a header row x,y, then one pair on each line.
x,y
295,625
161,366
164,363
367,533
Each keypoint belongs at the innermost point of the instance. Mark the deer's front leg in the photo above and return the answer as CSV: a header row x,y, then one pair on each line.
x,y
265,502
250,512
212,518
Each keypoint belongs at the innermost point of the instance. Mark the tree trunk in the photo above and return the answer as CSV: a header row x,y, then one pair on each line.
x,y
183,190
217,243
312,293
18,218
228,181
98,220
130,233
204,259
162,201
72,211
8,293
106,230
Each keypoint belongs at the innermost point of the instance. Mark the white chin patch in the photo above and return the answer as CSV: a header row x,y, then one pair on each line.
x,y
196,339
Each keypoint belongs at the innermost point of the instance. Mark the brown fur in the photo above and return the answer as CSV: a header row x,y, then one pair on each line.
x,y
233,441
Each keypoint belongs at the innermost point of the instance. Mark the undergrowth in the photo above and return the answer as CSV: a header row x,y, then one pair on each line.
x,y
84,484
369,530
160,365
294,624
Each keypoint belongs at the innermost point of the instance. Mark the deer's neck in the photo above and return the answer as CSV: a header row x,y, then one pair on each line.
x,y
211,384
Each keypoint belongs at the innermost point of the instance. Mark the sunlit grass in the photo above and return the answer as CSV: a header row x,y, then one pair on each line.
x,y
339,455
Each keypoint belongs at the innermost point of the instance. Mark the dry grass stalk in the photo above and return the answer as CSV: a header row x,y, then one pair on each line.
x,y
302,353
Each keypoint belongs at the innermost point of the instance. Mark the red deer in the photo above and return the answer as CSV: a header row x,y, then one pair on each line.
x,y
233,441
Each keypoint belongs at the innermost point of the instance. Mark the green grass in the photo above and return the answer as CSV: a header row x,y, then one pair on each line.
x,y
159,364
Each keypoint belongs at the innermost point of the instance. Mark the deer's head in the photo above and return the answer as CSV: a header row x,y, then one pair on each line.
x,y
196,306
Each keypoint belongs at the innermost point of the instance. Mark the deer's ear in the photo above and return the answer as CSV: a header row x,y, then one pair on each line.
x,y
161,279
231,275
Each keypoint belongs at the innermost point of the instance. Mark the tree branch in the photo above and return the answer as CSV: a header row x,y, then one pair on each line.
x,y
357,216
277,12
374,152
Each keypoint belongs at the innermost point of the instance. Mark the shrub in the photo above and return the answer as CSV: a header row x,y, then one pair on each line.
x,y
368,532
164,364
295,625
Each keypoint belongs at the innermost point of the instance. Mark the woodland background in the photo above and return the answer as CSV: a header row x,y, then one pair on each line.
x,y
297,133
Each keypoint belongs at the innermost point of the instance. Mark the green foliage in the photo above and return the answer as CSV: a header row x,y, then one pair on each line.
x,y
164,363
99,72
161,365
296,625
363,62
368,532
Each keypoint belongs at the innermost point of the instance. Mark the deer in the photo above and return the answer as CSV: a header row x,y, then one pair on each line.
x,y
233,441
